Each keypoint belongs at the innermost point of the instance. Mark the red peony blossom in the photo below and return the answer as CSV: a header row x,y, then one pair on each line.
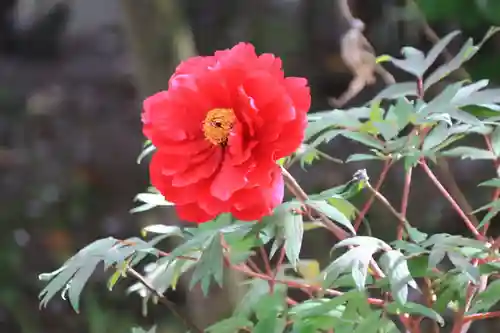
x,y
220,128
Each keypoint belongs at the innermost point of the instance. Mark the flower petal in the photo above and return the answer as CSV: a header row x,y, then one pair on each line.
x,y
229,179
193,213
255,203
205,168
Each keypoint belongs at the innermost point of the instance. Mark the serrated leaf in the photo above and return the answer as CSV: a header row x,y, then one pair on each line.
x,y
294,232
469,153
394,265
332,213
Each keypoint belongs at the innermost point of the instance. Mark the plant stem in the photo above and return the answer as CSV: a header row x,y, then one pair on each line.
x,y
496,193
163,300
404,202
456,207
297,285
481,316
279,263
369,202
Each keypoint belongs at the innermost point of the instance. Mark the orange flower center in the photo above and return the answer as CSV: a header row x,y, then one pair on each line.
x,y
218,124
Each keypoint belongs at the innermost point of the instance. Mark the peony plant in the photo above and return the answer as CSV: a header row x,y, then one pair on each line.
x,y
222,137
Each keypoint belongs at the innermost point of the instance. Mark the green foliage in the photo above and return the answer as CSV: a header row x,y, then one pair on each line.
x,y
343,293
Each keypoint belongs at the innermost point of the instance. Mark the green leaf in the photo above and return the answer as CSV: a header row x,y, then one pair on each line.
x,y
485,300
469,153
465,266
364,139
332,213
397,90
438,48
436,256
270,324
436,136
415,308
230,325
495,182
258,289
495,141
416,235
271,303
394,265
209,266
370,324
294,232
466,52
140,330
402,112
361,241
414,62
78,282
146,151
463,95
150,200
362,157
357,260
163,229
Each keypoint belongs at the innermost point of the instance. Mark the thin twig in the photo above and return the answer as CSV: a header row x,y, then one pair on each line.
x,y
404,202
369,202
163,300
469,224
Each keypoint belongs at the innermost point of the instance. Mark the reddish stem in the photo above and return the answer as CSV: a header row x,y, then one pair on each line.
x,y
297,285
496,193
272,283
456,207
404,202
369,202
269,270
481,316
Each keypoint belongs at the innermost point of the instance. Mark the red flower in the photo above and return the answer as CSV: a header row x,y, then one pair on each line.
x,y
218,131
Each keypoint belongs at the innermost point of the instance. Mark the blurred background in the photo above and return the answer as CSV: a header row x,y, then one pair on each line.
x,y
72,77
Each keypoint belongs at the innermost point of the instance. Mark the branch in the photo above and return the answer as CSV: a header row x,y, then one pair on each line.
x,y
369,202
163,300
468,223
